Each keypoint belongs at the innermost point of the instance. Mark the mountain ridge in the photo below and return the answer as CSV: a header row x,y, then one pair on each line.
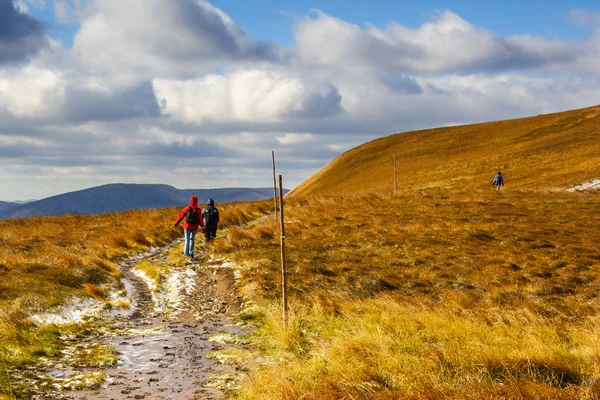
x,y
117,197
6,205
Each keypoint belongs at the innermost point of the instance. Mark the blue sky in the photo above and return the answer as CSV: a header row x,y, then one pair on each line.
x,y
273,20
153,91
545,18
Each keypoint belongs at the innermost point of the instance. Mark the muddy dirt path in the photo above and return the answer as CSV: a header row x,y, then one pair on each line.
x,y
162,345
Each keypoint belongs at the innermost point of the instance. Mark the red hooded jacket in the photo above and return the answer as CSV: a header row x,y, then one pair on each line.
x,y
183,213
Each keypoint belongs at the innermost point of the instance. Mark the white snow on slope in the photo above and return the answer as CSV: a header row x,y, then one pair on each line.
x,y
586,186
170,299
77,309
73,311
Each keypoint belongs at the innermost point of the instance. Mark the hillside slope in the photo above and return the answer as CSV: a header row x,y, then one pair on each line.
x,y
547,151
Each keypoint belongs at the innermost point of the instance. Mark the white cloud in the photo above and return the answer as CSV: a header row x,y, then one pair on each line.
x,y
37,93
68,11
296,138
248,95
31,93
157,38
446,44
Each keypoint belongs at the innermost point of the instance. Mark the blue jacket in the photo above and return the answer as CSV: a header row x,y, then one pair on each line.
x,y
498,180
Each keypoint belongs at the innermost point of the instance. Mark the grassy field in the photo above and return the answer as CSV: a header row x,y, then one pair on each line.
x,y
46,262
462,295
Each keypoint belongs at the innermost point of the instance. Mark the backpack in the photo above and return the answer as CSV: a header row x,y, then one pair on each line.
x,y
211,216
192,217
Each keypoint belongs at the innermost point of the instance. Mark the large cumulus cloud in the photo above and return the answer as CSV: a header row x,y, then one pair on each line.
x,y
448,43
248,95
46,95
157,38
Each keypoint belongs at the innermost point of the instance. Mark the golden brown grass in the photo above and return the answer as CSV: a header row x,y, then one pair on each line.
x,y
445,295
547,151
45,261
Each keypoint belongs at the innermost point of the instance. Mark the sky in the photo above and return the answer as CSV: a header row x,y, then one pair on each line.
x,y
197,94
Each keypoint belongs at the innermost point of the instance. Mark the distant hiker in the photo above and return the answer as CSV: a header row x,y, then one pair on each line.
x,y
498,180
192,220
211,220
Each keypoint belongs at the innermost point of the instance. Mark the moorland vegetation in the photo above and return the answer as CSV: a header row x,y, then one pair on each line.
x,y
425,296
446,289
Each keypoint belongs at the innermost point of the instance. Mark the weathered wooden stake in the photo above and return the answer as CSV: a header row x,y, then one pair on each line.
x,y
283,269
274,184
395,185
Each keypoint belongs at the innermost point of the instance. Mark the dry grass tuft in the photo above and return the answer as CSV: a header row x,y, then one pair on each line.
x,y
94,291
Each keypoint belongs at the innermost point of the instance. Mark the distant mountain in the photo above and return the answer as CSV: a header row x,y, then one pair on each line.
x,y
122,197
24,201
7,205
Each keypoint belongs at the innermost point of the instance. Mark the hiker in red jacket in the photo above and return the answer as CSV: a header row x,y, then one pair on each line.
x,y
193,220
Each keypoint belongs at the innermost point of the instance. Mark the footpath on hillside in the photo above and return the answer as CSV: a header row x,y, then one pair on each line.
x,y
164,346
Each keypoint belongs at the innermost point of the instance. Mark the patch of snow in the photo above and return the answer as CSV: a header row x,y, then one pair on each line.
x,y
172,295
77,309
586,186
117,298
190,281
178,285
171,298
73,311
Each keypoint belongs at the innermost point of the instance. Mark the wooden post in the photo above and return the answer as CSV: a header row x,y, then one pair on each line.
x,y
395,185
283,269
274,184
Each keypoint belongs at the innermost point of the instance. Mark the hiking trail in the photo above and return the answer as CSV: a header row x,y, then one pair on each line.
x,y
162,344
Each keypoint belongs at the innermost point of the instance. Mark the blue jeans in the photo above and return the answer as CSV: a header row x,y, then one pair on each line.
x,y
189,242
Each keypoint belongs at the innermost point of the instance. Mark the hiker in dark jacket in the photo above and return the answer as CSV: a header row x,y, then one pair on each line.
x,y
210,215
498,180
192,220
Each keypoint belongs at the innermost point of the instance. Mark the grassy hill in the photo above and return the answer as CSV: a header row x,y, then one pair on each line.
x,y
547,151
